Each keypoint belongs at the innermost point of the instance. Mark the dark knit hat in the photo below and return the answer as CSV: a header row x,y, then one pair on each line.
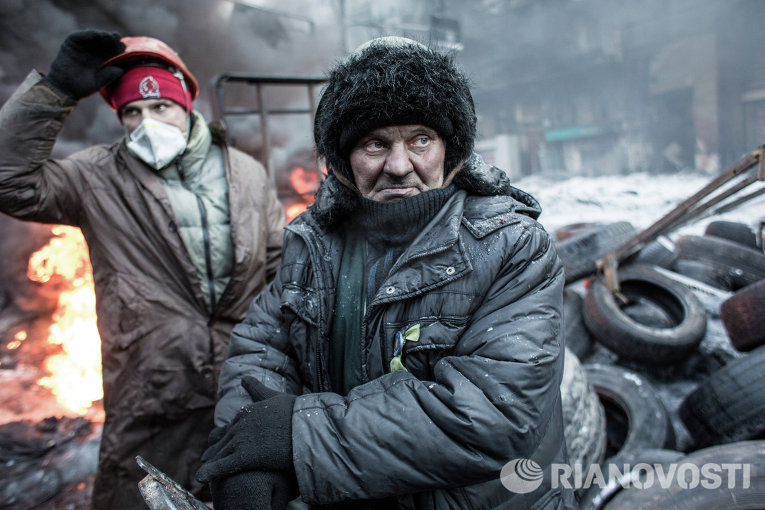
x,y
394,81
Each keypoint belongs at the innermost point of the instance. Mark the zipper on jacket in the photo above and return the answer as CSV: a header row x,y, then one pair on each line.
x,y
205,237
208,251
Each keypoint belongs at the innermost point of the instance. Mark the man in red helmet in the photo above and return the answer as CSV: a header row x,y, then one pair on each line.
x,y
182,231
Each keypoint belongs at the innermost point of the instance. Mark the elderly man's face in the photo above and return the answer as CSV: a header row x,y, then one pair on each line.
x,y
395,162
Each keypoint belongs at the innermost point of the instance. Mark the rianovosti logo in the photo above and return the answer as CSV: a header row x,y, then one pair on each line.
x,y
521,476
525,475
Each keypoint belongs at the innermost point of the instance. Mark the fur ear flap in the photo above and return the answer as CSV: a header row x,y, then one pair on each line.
x,y
334,203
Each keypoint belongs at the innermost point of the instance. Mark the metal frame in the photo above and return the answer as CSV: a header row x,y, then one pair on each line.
x,y
221,110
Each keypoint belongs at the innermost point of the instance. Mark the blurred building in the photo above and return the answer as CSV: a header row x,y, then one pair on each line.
x,y
587,87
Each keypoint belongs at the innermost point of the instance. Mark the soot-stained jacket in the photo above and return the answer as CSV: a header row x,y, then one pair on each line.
x,y
481,387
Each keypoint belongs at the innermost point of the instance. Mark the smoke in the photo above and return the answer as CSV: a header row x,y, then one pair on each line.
x,y
284,37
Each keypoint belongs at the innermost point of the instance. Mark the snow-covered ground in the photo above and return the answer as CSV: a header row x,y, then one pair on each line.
x,y
641,199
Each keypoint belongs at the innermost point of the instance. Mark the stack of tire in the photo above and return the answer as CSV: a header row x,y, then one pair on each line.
x,y
657,322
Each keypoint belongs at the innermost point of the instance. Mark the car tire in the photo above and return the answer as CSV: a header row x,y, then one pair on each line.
x,y
733,492
662,321
580,252
583,416
729,405
743,316
575,333
744,265
733,231
705,272
636,418
660,252
596,497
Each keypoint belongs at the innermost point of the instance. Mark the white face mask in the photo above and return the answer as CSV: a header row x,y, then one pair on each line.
x,y
156,143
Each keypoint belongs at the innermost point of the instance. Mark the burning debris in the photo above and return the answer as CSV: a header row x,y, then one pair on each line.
x,y
50,371
75,370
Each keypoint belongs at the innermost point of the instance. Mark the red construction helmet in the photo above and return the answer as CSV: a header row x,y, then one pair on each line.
x,y
141,47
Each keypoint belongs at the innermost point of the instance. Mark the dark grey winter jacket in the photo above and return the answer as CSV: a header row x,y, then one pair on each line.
x,y
484,284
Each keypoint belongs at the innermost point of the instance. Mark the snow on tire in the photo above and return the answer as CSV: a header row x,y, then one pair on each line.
x,y
596,497
662,320
583,416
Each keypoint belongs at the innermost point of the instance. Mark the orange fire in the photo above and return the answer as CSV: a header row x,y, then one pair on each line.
x,y
74,372
304,182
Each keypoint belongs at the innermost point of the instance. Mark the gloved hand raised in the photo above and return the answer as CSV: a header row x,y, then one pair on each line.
x,y
258,439
77,71
254,490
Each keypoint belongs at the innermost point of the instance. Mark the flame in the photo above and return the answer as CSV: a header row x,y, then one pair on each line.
x,y
304,181
74,372
293,210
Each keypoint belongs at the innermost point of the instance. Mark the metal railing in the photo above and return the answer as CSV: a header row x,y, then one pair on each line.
x,y
222,110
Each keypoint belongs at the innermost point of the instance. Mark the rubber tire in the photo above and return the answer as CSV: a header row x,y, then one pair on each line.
x,y
595,497
572,229
674,497
705,272
743,316
575,333
733,231
744,265
581,252
729,405
660,253
648,423
584,420
612,326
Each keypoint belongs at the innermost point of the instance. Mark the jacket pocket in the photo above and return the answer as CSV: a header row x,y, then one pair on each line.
x,y
437,338
304,303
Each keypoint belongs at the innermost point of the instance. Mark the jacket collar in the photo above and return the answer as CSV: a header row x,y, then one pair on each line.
x,y
435,257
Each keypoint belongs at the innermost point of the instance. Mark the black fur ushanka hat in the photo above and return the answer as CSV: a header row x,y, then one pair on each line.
x,y
394,81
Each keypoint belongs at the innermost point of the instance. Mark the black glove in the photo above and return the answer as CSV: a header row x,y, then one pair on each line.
x,y
77,71
259,438
254,490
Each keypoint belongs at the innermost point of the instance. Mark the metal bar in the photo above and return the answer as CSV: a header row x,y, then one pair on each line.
x,y
312,107
669,220
259,81
265,136
280,80
735,203
268,112
696,212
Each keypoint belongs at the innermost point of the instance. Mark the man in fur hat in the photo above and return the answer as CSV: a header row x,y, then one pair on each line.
x,y
410,346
